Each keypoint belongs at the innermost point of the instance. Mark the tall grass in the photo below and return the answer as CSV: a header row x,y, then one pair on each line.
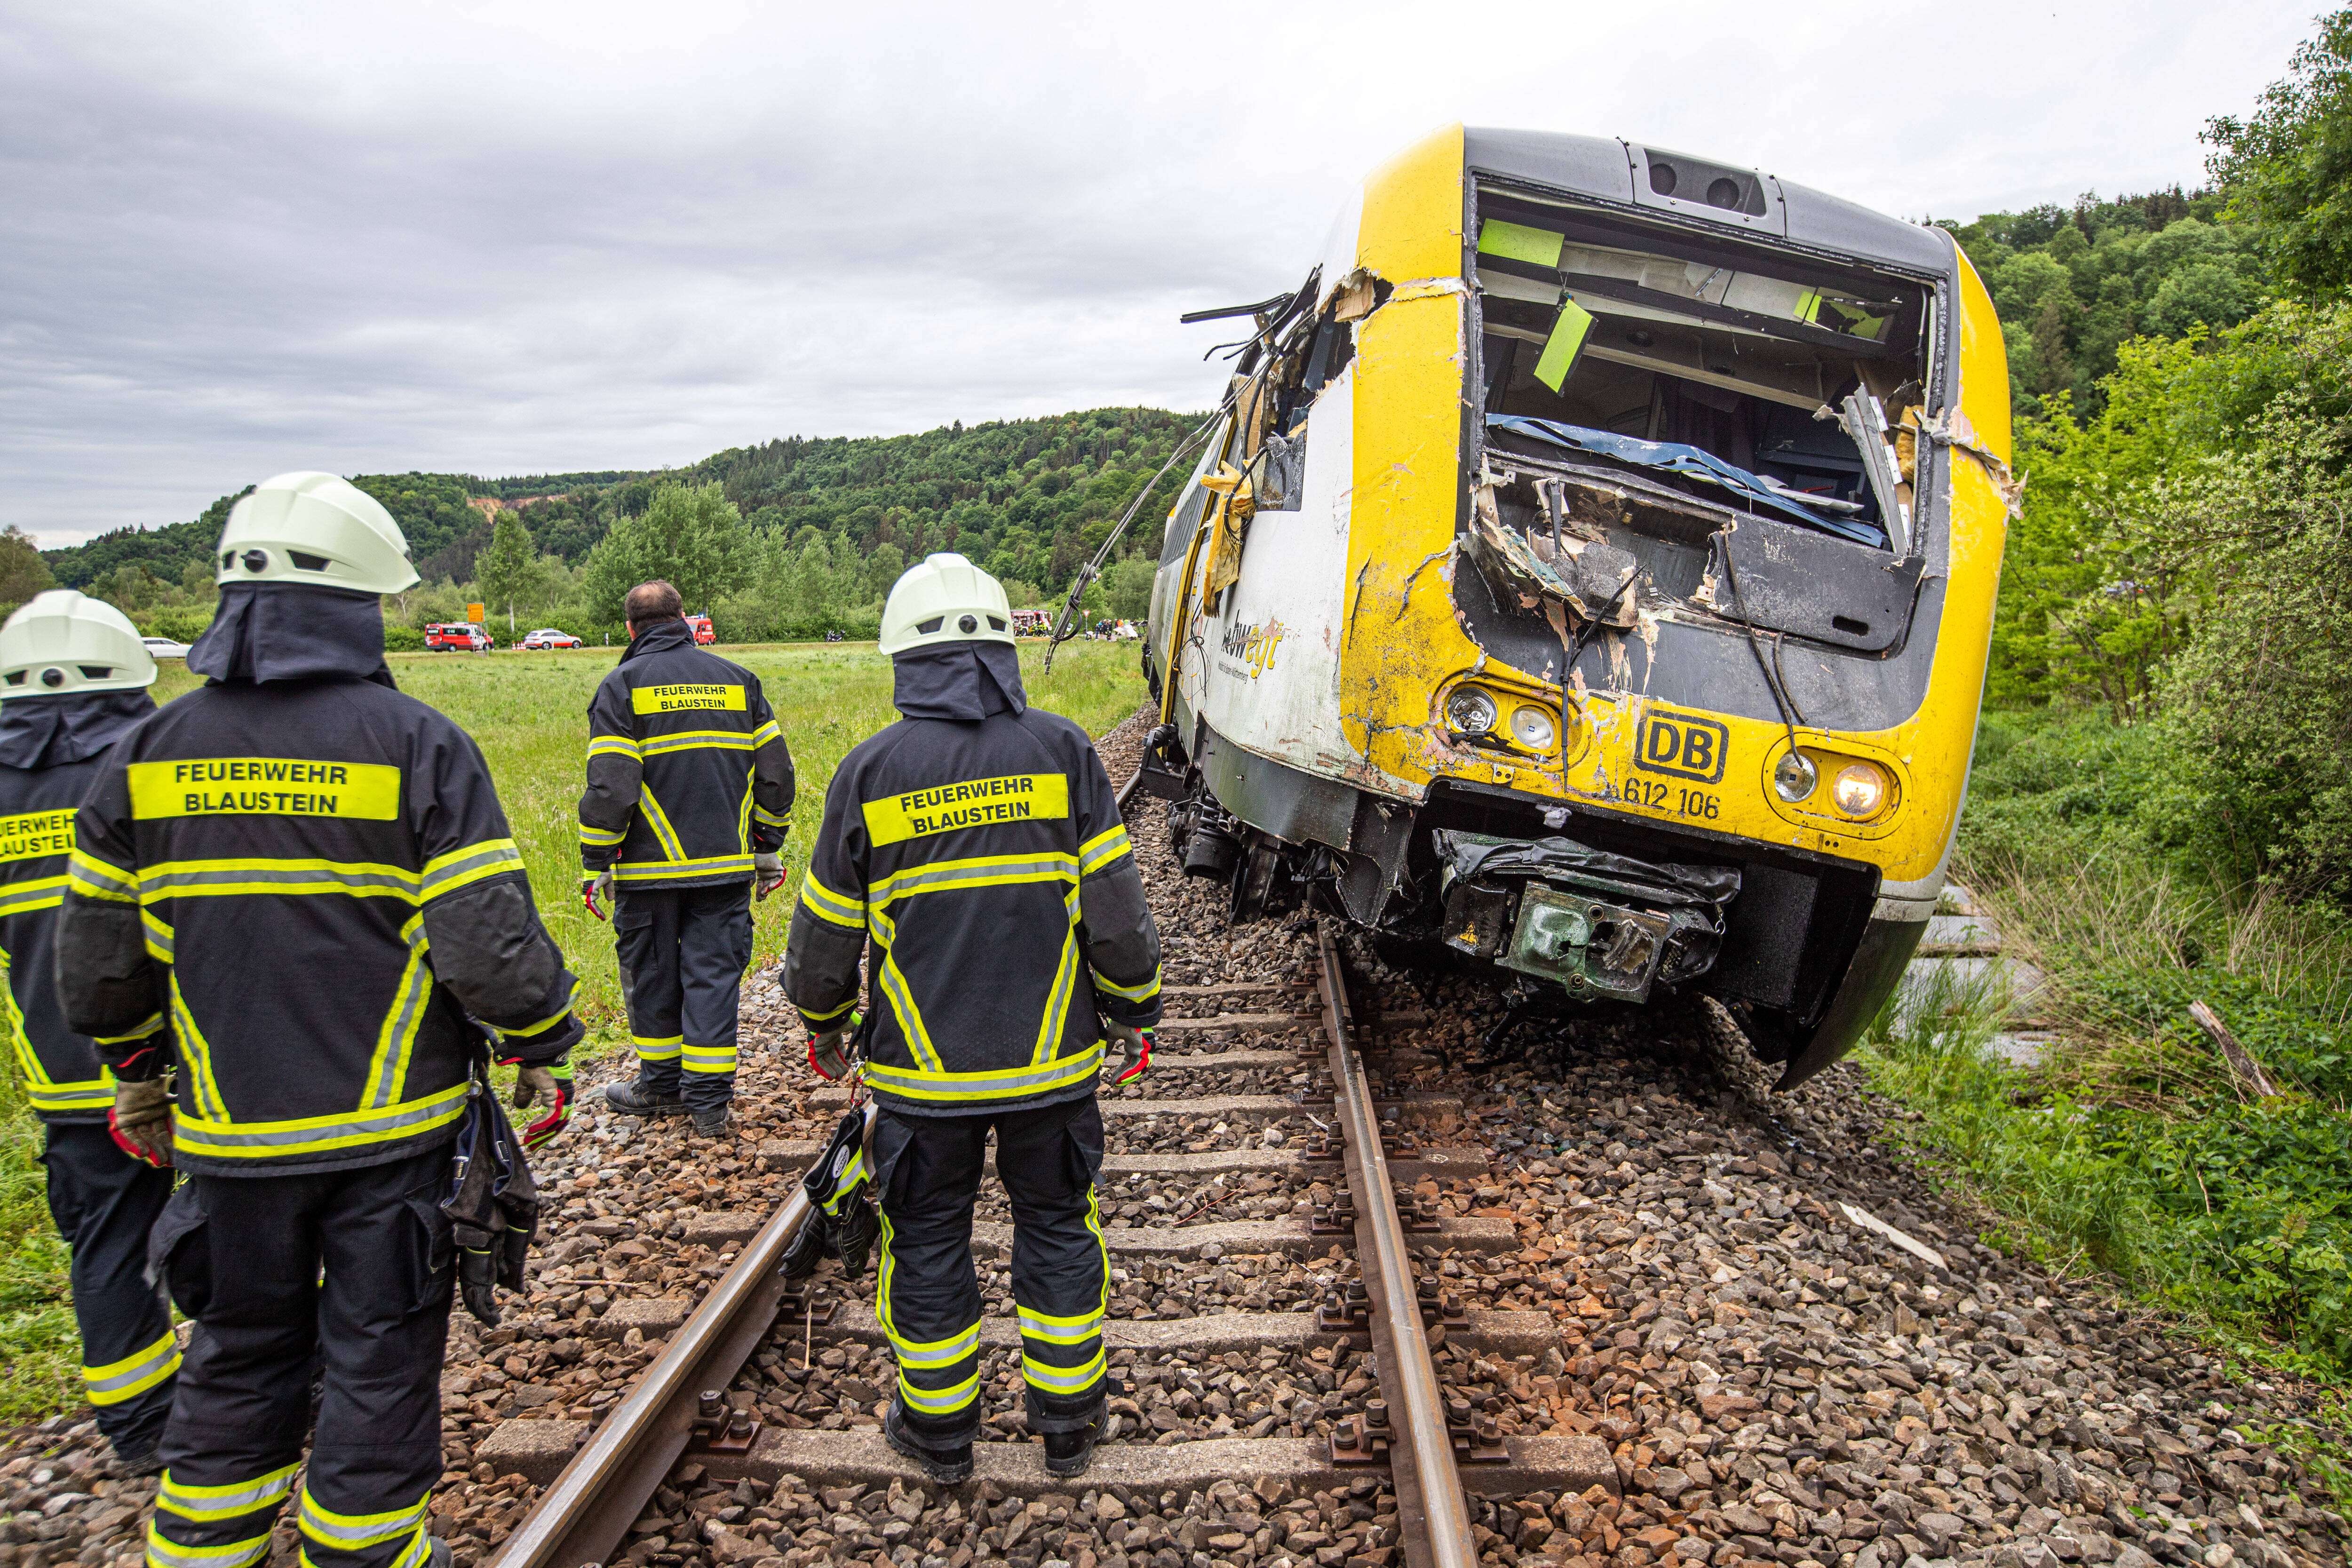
x,y
528,713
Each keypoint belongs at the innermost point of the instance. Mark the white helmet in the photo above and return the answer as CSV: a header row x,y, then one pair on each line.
x,y
945,599
313,528
63,642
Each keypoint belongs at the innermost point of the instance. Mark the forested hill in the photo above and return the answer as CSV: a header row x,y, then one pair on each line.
x,y
2073,285
1029,498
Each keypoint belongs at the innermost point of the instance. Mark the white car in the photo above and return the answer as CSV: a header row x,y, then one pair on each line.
x,y
164,648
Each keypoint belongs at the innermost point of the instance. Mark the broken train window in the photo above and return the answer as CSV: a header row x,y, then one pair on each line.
x,y
1768,382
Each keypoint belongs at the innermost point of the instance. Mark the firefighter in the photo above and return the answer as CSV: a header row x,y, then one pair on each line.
x,y
299,884
689,791
976,845
73,679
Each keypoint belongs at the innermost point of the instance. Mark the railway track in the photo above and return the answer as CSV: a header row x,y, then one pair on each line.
x,y
1421,1445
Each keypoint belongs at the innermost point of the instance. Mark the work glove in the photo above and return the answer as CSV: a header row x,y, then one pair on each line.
x,y
770,869
550,1086
140,1122
596,892
1127,1052
828,1053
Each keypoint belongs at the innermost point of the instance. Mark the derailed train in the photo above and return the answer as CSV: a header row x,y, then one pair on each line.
x,y
1593,573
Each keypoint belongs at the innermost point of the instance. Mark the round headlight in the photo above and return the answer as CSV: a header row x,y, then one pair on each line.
x,y
1532,728
1794,779
1860,789
1471,711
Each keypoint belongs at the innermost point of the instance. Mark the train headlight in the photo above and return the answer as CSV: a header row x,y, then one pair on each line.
x,y
1794,779
1860,789
1471,711
1533,728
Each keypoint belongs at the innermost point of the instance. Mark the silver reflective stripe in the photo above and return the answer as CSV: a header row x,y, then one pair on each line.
x,y
170,1554
472,864
357,1530
204,1503
1062,1379
1062,1069
112,1383
201,1135
1053,1334
905,882
160,883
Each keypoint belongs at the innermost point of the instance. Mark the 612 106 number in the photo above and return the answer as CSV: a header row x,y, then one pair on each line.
x,y
1679,799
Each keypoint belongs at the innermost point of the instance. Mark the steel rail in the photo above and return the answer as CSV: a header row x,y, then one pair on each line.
x,y
1432,1516
586,1513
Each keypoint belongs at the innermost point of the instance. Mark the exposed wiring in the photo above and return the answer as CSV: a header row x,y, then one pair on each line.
x,y
1756,645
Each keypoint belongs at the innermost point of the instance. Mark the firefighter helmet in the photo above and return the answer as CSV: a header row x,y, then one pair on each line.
x,y
64,642
313,528
945,599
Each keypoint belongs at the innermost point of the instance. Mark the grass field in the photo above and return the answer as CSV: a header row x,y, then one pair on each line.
x,y
529,712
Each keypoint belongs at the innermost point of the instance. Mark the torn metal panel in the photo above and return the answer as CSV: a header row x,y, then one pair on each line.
x,y
1568,565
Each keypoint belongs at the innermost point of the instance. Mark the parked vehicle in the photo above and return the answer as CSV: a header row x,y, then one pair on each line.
x,y
1032,623
164,648
702,628
548,636
457,637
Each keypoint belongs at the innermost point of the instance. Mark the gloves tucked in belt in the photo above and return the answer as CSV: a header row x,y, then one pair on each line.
x,y
828,1053
770,869
140,1122
551,1086
1127,1052
596,892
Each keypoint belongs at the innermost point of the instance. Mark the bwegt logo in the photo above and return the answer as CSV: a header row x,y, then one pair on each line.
x,y
1682,745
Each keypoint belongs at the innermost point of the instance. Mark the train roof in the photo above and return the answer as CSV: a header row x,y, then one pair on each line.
x,y
1605,168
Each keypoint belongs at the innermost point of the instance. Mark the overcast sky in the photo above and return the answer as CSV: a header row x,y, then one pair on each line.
x,y
498,238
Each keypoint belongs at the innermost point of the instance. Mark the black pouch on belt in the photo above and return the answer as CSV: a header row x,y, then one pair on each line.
x,y
493,1203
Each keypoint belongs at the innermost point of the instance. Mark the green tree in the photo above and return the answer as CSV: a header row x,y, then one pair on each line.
x,y
691,535
508,570
2288,169
1127,586
23,572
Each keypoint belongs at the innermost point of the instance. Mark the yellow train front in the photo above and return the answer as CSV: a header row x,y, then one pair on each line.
x,y
1594,573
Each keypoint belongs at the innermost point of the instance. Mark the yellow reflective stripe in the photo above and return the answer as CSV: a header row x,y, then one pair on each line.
x,y
353,1532
203,1096
599,836
133,1375
743,817
1057,1000
34,894
90,1094
463,867
698,740
146,1027
263,877
615,745
939,1401
828,905
95,879
315,1134
1143,993
761,814
208,1505
901,998
935,1353
1062,1379
158,935
663,1048
1006,1083
648,870
1071,1330
980,872
834,1012
164,1553
770,730
547,1023
1103,849
397,1036
709,1059
851,1174
415,1554
655,818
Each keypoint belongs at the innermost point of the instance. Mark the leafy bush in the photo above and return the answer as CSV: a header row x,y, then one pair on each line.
x,y
403,639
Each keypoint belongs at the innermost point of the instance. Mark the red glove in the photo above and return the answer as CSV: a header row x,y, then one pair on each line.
x,y
140,1122
592,888
1129,1052
828,1053
552,1084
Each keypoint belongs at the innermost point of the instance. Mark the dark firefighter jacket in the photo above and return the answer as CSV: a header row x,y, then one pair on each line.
x,y
311,879
688,771
50,750
986,860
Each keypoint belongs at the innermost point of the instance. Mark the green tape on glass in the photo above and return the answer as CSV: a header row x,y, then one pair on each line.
x,y
1568,330
1517,242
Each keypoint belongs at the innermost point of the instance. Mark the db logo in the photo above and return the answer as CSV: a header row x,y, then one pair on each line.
x,y
1681,745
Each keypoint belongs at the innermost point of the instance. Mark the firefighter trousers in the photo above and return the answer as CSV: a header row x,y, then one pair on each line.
x,y
105,1203
682,952
244,1257
926,1173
